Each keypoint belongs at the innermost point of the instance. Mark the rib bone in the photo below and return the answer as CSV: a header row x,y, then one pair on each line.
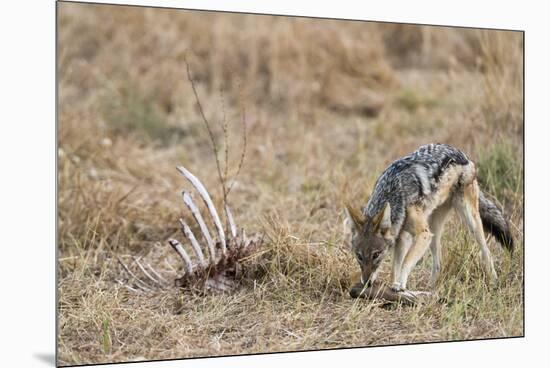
x,y
140,284
188,265
191,237
206,198
147,274
202,225
159,277
218,272
231,221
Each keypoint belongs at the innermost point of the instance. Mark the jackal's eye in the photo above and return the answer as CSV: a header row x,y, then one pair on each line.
x,y
376,255
359,256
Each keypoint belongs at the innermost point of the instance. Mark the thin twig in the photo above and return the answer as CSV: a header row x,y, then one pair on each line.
x,y
243,152
226,146
206,123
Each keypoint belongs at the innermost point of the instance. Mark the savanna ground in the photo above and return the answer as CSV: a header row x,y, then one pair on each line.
x,y
329,105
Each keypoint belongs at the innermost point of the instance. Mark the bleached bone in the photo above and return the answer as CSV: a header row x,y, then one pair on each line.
x,y
120,282
147,274
140,284
231,221
244,239
162,279
206,198
381,291
191,237
188,265
202,225
219,271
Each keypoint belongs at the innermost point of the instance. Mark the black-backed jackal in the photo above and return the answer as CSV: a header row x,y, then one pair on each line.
x,y
408,208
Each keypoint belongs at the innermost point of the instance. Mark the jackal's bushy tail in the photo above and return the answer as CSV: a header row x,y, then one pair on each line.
x,y
494,222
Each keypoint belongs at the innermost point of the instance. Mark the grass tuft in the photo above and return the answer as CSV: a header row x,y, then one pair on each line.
x,y
500,171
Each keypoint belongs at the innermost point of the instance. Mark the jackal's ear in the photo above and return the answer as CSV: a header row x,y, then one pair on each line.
x,y
355,217
382,221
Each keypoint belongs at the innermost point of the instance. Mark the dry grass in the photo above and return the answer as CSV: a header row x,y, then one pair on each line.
x,y
329,105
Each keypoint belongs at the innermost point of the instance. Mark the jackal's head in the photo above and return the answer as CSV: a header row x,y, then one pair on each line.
x,y
371,239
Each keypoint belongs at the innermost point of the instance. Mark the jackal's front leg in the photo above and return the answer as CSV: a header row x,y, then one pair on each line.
x,y
400,251
419,247
418,225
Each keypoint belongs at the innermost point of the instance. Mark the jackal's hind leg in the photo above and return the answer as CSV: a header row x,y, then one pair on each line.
x,y
467,207
437,225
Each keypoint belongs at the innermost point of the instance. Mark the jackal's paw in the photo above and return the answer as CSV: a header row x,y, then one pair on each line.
x,y
397,287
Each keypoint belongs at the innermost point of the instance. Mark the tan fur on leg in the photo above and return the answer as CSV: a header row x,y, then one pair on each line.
x,y
437,225
417,222
467,206
401,248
